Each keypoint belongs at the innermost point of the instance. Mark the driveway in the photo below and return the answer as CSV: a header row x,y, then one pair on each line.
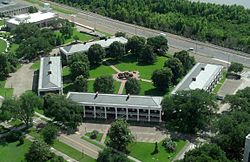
x,y
21,80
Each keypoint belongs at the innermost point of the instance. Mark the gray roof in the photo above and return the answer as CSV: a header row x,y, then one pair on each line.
x,y
8,5
204,75
69,50
50,77
112,100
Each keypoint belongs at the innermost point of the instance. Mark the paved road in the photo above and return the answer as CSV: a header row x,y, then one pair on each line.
x,y
110,25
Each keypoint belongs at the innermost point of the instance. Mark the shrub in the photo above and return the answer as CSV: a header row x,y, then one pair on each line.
x,y
13,136
94,134
169,145
21,140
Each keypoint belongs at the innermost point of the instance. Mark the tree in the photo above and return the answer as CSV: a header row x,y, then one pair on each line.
x,y
66,29
156,149
186,60
78,57
63,110
8,109
159,44
24,31
147,56
189,111
235,67
38,151
117,50
104,84
206,152
49,133
176,67
57,159
4,66
162,79
95,54
120,135
32,9
81,84
136,44
79,68
107,155
120,34
132,86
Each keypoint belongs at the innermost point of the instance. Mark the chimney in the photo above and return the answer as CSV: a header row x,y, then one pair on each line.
x,y
203,68
193,79
50,62
49,72
127,97
96,94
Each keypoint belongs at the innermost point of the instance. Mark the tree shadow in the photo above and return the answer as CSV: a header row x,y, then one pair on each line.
x,y
155,92
125,59
35,81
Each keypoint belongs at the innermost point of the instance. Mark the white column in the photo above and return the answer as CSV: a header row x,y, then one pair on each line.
x,y
84,115
126,113
115,112
138,117
160,116
105,112
94,112
149,115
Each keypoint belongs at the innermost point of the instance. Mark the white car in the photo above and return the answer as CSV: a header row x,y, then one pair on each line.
x,y
190,49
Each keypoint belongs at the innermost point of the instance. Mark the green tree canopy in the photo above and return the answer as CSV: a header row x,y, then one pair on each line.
x,y
159,44
38,151
81,84
120,135
176,67
95,54
162,79
63,110
107,155
136,44
117,50
104,84
186,60
132,86
235,67
79,68
147,55
120,34
189,111
49,133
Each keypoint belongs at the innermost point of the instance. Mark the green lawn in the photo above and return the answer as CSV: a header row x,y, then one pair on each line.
x,y
129,63
3,45
12,152
94,142
72,152
5,92
91,86
142,151
219,85
101,70
36,65
98,138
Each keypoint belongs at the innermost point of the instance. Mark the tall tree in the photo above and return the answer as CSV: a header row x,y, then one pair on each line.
x,y
235,67
147,55
4,66
159,44
79,68
176,67
132,86
120,135
136,44
107,155
117,50
95,54
81,84
186,60
104,84
38,151
63,110
162,79
49,133
189,111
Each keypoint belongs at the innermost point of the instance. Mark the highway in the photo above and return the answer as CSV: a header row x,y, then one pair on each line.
x,y
110,25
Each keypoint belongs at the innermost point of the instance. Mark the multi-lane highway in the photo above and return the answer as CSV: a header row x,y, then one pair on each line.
x,y
110,25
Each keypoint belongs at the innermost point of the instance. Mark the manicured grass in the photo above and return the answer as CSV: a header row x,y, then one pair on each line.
x,y
12,152
3,45
98,138
105,33
101,70
129,63
15,123
5,92
148,89
94,142
219,85
36,65
72,152
91,86
142,151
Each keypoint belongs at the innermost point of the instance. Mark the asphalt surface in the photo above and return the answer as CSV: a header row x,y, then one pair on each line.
x,y
112,26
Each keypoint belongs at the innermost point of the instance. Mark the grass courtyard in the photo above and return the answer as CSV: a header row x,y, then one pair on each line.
x,y
142,151
12,152
5,92
3,45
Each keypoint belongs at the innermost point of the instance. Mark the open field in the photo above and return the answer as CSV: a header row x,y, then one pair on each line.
x,y
142,151
12,152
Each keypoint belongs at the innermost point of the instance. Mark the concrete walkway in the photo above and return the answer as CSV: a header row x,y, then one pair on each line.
x,y
21,80
189,146
122,87
146,80
104,135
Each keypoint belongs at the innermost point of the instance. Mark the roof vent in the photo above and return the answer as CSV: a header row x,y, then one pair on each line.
x,y
106,39
96,94
50,62
127,97
203,68
193,79
84,42
49,72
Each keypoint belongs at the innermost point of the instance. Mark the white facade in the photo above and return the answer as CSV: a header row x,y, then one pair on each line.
x,y
247,149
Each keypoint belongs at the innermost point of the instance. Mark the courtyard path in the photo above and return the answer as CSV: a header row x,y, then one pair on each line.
x,y
122,87
146,80
21,80
104,135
